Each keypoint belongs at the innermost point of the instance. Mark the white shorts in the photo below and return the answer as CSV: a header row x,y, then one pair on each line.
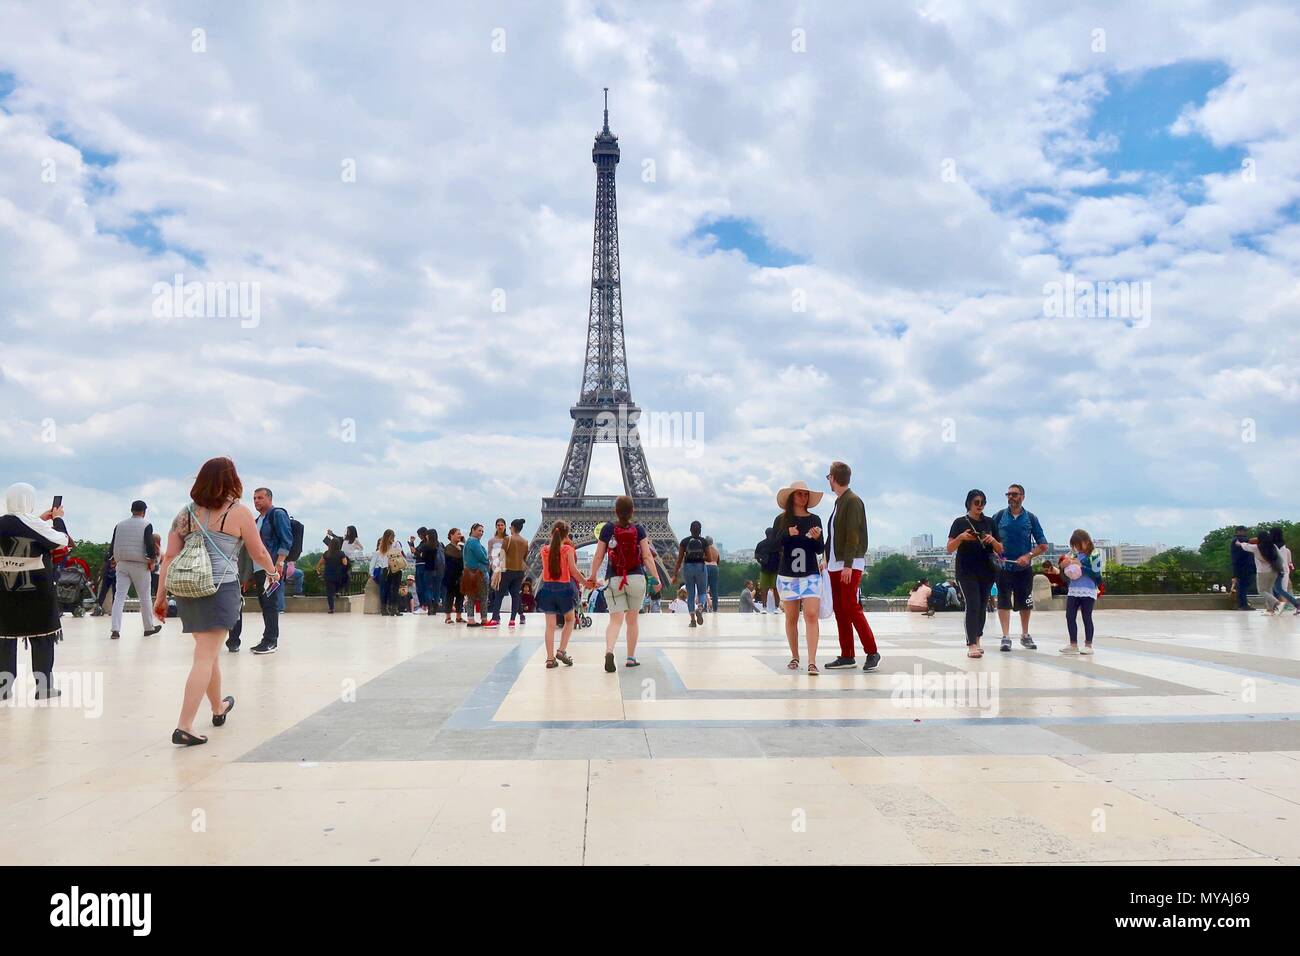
x,y
796,589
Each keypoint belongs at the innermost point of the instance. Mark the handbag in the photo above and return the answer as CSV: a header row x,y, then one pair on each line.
x,y
471,579
190,574
826,609
396,562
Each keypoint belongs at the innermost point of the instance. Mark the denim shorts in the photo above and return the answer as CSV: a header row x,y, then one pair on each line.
x,y
555,597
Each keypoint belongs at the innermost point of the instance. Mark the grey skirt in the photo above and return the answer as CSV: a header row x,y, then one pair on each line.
x,y
217,611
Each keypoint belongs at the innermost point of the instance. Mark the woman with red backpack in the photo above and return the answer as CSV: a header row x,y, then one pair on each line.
x,y
631,562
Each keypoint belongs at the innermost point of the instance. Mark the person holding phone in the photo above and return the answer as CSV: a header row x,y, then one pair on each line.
x,y
227,526
29,607
974,537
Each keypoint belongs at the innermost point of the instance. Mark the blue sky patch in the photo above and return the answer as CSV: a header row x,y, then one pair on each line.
x,y
1138,110
143,233
7,84
744,236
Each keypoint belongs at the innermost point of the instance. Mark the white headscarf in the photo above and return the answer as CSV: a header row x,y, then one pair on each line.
x,y
20,501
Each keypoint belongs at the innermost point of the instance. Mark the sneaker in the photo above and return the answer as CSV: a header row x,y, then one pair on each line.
x,y
512,623
115,636
700,616
49,694
693,624
1071,649
233,648
872,661
842,662
609,664
265,648
156,629
1006,643
1028,642
491,623
1086,649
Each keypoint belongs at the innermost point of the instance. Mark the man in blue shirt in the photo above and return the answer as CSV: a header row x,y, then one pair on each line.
x,y
1022,540
277,536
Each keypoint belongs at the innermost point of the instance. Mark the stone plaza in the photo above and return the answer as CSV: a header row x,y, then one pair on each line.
x,y
371,740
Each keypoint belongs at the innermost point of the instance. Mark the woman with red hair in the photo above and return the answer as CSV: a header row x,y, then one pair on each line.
x,y
226,526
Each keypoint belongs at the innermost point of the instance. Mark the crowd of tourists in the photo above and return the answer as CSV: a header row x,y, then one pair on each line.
x,y
217,551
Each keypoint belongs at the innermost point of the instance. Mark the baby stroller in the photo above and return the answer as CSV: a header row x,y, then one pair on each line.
x,y
581,618
72,589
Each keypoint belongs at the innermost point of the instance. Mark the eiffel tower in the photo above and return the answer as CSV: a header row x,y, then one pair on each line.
x,y
604,411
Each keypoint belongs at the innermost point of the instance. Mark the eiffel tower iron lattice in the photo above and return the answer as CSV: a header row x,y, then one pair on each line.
x,y
604,411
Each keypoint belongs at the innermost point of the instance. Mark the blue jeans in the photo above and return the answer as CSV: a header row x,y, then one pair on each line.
x,y
711,572
1281,593
696,580
434,584
421,584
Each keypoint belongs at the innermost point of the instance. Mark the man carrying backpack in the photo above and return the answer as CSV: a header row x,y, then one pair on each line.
x,y
280,537
692,553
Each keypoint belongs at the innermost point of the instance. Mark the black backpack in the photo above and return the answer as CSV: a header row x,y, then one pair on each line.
x,y
767,554
296,531
694,546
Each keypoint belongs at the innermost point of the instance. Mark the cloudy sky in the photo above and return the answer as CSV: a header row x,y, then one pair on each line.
x,y
841,226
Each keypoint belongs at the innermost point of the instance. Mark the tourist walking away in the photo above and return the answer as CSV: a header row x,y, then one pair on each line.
x,y
415,546
333,569
208,533
1022,540
435,564
387,567
453,552
798,580
513,556
474,579
846,551
1271,546
1243,568
711,559
1082,569
277,537
555,598
631,570
918,599
974,537
1267,568
768,555
131,550
691,554
29,606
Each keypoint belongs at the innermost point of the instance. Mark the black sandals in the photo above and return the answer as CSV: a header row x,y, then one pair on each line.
x,y
219,720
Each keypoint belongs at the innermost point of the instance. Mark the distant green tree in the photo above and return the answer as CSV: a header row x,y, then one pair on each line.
x,y
889,574
732,575
1183,558
93,554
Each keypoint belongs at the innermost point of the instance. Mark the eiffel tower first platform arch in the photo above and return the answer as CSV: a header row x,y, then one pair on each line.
x,y
604,411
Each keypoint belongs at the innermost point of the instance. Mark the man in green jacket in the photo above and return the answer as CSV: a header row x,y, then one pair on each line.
x,y
846,538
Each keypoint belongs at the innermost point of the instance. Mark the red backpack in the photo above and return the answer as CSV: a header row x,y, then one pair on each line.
x,y
624,555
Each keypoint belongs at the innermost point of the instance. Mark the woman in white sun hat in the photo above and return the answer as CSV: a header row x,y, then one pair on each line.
x,y
798,580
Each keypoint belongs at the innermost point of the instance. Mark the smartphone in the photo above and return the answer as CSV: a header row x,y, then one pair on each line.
x,y
58,502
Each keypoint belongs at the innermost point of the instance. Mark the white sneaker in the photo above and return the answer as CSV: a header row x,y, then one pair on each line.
x,y
1071,649
1086,649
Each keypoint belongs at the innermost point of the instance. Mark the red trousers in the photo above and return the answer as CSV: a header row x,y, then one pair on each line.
x,y
848,614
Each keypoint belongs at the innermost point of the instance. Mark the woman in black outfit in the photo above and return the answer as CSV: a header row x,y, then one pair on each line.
x,y
29,610
333,569
975,539
454,564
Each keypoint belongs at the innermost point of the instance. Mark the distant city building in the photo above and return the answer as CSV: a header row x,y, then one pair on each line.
x,y
922,542
936,557
876,554
1131,555
743,556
